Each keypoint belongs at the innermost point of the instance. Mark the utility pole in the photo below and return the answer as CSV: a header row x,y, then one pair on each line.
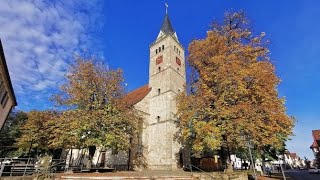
x,y
284,176
253,166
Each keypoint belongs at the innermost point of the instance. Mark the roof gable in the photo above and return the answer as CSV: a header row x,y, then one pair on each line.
x,y
316,134
136,95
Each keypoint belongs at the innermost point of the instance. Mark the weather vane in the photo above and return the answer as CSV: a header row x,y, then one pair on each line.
x,y
166,7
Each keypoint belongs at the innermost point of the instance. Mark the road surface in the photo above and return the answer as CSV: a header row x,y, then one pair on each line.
x,y
297,174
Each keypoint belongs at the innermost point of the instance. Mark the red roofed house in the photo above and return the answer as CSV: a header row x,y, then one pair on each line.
x,y
316,141
293,160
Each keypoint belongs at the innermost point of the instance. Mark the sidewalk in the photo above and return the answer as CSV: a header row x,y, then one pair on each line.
x,y
274,176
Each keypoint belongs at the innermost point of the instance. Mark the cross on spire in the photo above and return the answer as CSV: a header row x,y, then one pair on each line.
x,y
166,4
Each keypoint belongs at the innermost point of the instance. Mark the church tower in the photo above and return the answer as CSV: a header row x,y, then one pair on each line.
x,y
167,78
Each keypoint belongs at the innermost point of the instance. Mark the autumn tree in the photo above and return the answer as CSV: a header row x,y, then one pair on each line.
x,y
234,96
96,114
36,131
10,132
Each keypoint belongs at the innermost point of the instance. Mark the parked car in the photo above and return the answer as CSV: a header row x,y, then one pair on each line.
x,y
314,170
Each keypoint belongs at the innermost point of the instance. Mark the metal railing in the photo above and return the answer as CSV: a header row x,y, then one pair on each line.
x,y
28,166
193,166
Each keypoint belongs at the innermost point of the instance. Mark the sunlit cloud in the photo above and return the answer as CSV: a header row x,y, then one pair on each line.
x,y
40,38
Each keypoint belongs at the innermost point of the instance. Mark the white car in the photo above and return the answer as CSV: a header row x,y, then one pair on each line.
x,y
314,170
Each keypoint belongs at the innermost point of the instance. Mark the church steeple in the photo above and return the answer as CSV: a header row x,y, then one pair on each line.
x,y
167,79
166,28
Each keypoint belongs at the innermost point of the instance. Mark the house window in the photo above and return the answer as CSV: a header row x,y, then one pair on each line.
x,y
2,91
4,98
158,118
162,47
159,49
159,91
5,101
156,51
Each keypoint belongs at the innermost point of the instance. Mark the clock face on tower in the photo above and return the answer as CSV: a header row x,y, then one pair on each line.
x,y
178,61
159,60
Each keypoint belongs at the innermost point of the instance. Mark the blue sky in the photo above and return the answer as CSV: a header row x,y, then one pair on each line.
x,y
41,37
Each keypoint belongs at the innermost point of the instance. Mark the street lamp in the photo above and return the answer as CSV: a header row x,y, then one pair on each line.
x,y
249,145
281,158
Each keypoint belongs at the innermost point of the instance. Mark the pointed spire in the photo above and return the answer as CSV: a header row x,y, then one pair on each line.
x,y
166,27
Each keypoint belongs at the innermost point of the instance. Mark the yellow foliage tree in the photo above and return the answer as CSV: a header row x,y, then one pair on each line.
x,y
234,93
35,132
96,114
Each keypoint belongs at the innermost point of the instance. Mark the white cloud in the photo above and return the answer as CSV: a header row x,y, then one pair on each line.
x,y
40,38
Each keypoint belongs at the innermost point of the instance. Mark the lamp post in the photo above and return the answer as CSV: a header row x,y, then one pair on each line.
x,y
251,158
249,145
282,159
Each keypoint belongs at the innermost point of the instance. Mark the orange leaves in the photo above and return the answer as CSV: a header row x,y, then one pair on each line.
x,y
90,84
236,90
36,130
96,115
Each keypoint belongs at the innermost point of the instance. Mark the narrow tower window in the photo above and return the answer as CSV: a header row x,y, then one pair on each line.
x,y
162,47
159,49
159,69
158,118
156,51
159,91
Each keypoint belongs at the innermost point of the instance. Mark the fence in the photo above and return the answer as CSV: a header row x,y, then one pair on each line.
x,y
28,166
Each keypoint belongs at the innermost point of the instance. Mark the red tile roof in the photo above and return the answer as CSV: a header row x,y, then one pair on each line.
x,y
293,155
316,138
316,134
136,95
314,144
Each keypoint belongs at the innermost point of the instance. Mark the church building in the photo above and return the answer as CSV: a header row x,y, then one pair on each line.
x,y
167,78
155,101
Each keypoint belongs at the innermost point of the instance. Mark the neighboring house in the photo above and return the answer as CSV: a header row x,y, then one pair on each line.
x,y
292,160
7,97
316,141
155,101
